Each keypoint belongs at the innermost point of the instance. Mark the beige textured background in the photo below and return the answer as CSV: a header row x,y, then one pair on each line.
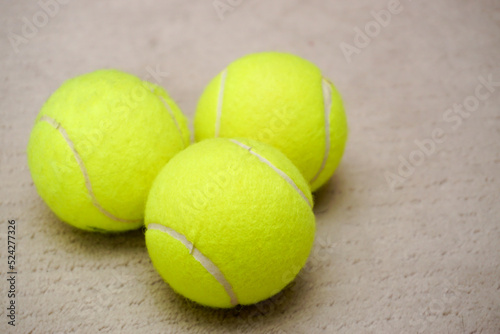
x,y
421,257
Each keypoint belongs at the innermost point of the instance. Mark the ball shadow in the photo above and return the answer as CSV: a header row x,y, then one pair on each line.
x,y
241,317
73,239
326,197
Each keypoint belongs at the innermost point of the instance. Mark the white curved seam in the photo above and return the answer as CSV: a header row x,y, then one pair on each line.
x,y
327,102
170,111
219,102
276,169
201,258
88,185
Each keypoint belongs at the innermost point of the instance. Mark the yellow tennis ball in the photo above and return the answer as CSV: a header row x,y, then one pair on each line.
x,y
97,145
229,221
282,100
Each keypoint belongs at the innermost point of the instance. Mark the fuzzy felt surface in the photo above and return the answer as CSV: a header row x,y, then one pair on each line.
x,y
98,143
277,98
422,257
238,212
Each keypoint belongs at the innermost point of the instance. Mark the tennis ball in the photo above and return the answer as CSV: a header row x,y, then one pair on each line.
x,y
97,145
229,221
282,100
